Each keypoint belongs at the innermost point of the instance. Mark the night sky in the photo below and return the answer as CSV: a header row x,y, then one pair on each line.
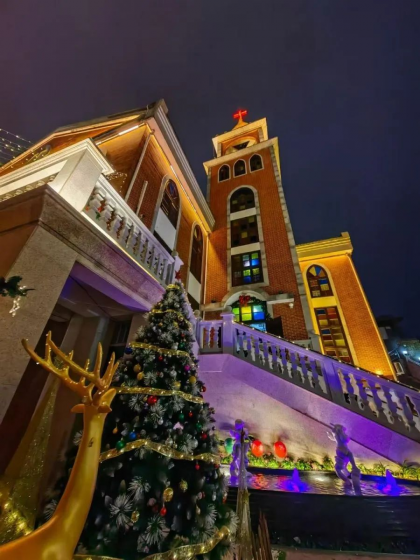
x,y
338,80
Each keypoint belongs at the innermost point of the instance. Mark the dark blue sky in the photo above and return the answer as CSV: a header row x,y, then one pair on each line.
x,y
338,80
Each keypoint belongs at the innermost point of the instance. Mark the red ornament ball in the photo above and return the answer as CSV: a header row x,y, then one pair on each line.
x,y
197,467
257,448
152,400
203,389
163,511
280,450
204,436
190,414
160,358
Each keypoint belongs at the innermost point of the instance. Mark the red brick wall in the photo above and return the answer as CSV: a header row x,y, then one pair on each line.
x,y
153,169
363,331
281,271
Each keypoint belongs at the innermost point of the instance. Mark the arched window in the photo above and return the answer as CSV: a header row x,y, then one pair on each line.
x,y
242,199
224,173
170,203
239,168
255,162
197,254
319,284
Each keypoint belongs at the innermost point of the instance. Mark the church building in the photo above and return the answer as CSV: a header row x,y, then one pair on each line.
x,y
99,216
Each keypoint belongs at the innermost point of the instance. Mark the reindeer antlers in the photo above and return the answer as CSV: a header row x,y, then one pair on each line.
x,y
80,387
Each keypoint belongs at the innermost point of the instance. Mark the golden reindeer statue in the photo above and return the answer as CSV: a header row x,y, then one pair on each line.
x,y
58,538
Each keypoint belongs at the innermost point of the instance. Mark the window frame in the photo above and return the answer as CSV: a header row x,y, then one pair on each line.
x,y
234,196
255,278
194,265
250,228
234,170
250,165
317,288
346,359
225,165
167,204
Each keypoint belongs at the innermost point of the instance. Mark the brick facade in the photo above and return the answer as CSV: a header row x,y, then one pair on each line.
x,y
355,313
281,269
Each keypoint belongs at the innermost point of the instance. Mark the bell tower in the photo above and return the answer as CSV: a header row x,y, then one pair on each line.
x,y
252,264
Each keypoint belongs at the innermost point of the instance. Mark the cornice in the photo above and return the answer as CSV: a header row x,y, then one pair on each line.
x,y
240,153
242,131
334,246
183,166
57,157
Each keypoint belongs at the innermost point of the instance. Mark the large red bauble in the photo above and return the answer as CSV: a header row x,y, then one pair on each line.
x,y
280,450
152,400
257,448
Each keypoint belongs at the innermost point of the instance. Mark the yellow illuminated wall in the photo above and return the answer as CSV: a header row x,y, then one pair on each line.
x,y
343,291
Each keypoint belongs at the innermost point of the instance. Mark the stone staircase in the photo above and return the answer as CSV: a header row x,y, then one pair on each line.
x,y
320,387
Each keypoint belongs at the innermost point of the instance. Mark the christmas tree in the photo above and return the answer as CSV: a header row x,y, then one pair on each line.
x,y
159,486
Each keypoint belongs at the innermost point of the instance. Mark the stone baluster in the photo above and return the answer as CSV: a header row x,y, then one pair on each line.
x,y
351,396
157,264
379,405
303,368
363,399
105,213
129,236
275,364
249,349
313,374
144,250
124,232
285,368
407,413
95,201
293,372
240,343
163,270
392,405
266,354
115,223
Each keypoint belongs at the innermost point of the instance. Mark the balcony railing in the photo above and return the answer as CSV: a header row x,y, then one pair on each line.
x,y
386,402
113,215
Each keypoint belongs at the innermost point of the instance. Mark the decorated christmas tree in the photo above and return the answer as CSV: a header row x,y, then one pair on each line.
x,y
159,486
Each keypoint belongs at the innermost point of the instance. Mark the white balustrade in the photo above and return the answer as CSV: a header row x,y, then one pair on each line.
x,y
384,401
112,214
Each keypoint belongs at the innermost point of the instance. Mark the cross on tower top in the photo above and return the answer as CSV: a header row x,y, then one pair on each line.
x,y
241,113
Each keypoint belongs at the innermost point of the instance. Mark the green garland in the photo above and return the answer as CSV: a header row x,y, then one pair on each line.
x,y
11,288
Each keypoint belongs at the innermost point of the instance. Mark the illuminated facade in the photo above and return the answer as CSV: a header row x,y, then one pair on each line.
x,y
98,216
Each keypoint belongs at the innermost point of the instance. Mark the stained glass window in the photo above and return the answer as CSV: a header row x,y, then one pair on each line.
x,y
244,231
253,314
246,268
332,334
319,284
241,200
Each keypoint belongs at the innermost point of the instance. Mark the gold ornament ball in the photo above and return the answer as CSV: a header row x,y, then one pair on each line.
x,y
137,368
168,494
135,516
115,430
183,485
177,385
140,375
175,324
192,379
